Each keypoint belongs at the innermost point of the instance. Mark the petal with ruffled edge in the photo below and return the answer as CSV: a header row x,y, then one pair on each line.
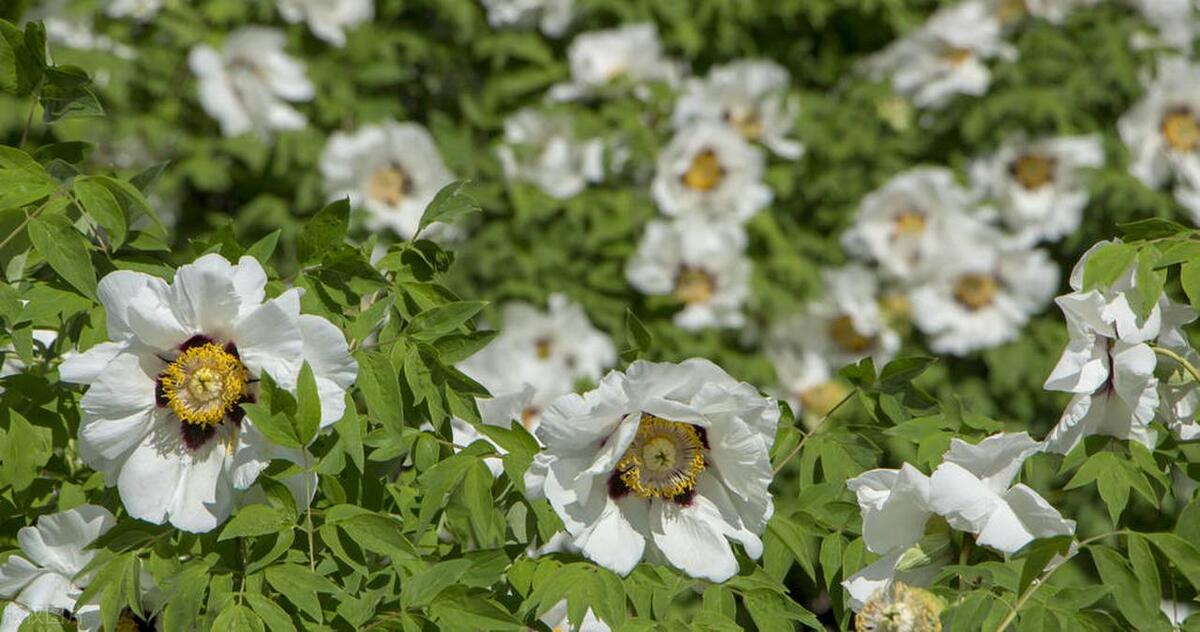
x,y
995,460
117,291
958,495
86,367
335,370
269,339
690,542
1022,517
615,538
58,541
119,408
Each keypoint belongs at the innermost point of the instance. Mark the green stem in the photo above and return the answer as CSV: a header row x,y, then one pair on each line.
x,y
1037,583
1182,361
16,231
824,418
312,557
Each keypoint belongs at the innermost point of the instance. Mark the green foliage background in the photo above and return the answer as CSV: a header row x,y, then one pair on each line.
x,y
385,486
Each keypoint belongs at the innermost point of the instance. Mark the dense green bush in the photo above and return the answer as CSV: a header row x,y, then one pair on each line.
x,y
599,314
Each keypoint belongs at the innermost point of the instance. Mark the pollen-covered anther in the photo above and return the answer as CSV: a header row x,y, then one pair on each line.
x,y
204,383
664,459
389,184
705,172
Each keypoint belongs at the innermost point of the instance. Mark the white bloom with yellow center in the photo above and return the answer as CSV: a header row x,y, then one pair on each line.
x,y
248,84
545,352
944,57
47,574
664,461
600,59
1107,364
983,293
749,95
805,380
162,417
541,148
905,224
1178,392
701,264
1162,132
1053,11
846,323
393,170
899,607
328,19
551,16
1040,186
709,169
973,489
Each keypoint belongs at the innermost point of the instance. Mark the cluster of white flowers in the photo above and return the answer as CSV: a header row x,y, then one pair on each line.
x,y
971,491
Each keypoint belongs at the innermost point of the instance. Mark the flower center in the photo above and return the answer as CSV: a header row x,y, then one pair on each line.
x,y
845,336
543,346
1181,130
529,417
664,459
204,383
1009,10
389,184
956,55
1033,171
908,223
745,121
694,285
705,173
899,608
976,291
129,622
821,398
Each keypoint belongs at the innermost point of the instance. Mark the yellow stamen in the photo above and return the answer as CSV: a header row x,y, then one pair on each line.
x,y
908,223
694,285
664,459
1033,171
543,346
900,608
746,122
389,184
957,56
843,333
1181,130
976,291
705,172
204,383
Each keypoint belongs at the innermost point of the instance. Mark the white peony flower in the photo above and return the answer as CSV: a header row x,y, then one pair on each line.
x,y
1053,11
391,169
247,85
664,461
1176,21
545,352
895,507
556,619
541,148
972,489
709,169
805,380
66,26
749,95
498,410
599,59
701,264
551,16
1162,132
1178,392
982,293
846,324
47,575
162,417
899,607
139,10
328,19
10,364
1039,186
944,57
906,223
1106,364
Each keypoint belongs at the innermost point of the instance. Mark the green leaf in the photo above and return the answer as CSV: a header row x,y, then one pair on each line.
x,y
439,321
1116,573
380,386
772,611
448,205
325,231
65,94
22,180
424,587
26,449
255,520
276,618
1106,264
372,531
274,413
350,430
237,618
308,406
1151,228
1183,555
301,587
1150,281
1189,278
66,251
22,57
796,539
101,205
265,247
